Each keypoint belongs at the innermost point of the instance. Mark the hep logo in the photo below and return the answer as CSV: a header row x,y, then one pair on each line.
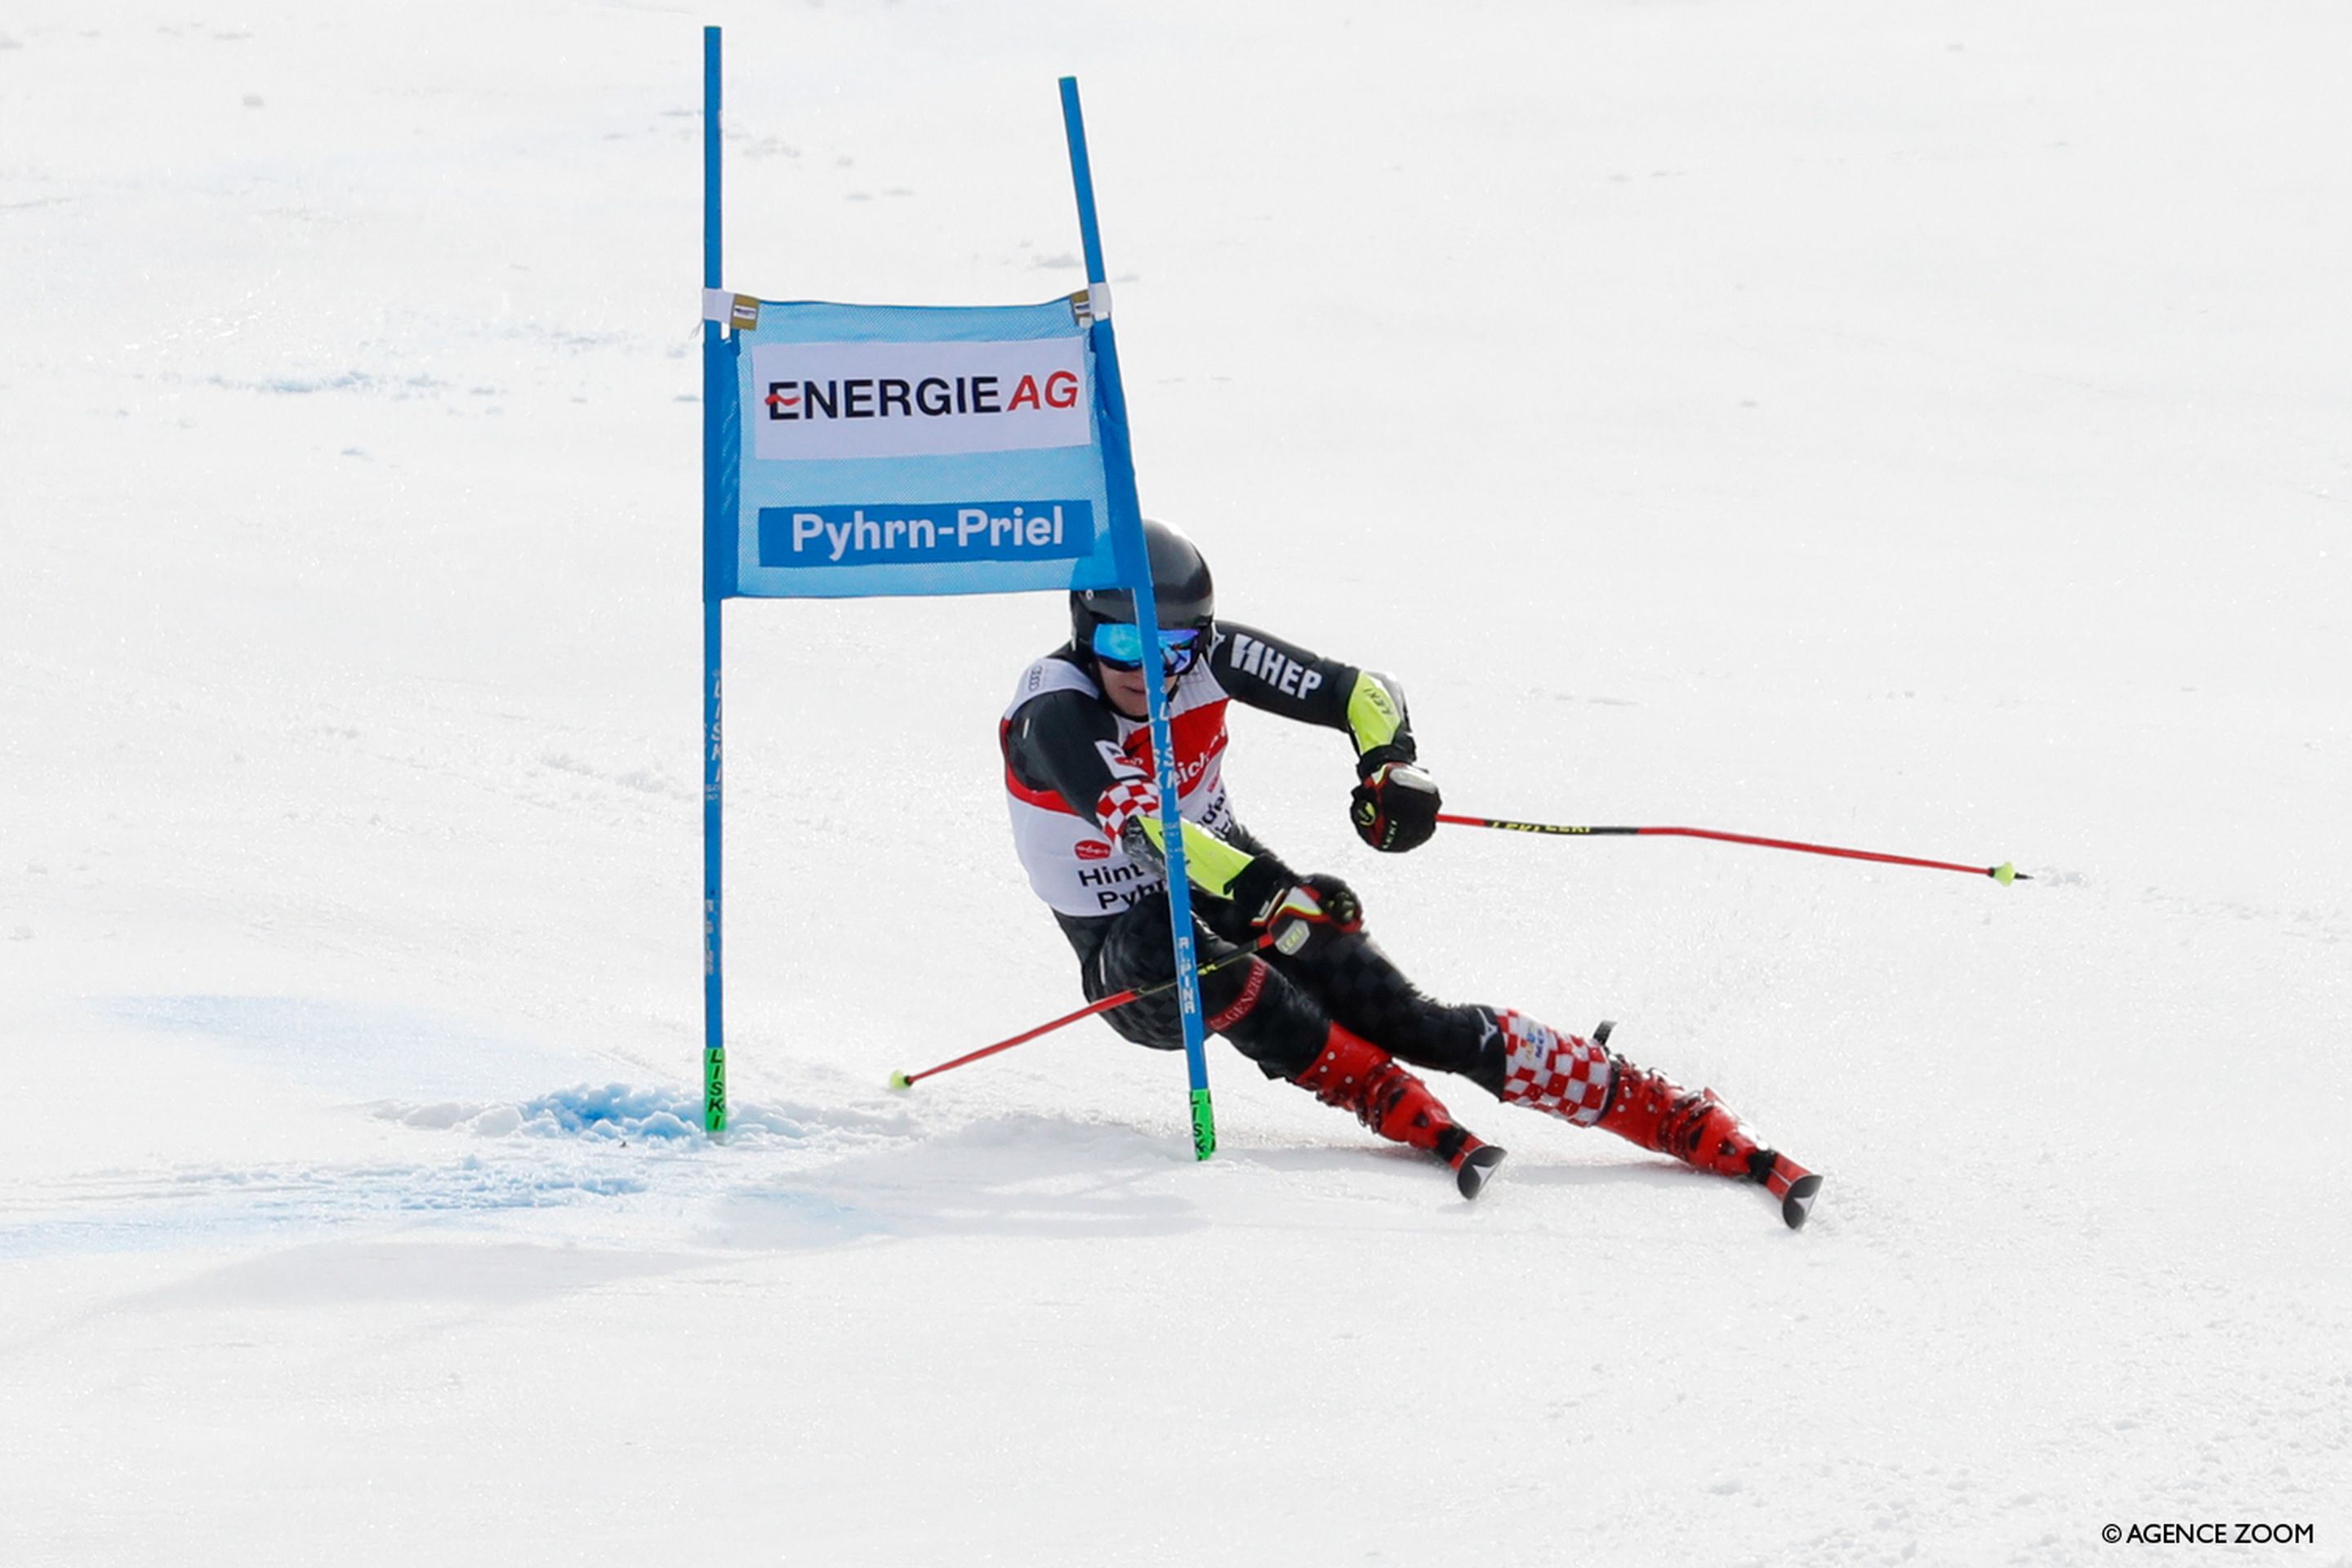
x,y
1094,849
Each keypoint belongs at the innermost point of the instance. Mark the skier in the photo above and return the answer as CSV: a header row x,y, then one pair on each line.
x,y
1323,1006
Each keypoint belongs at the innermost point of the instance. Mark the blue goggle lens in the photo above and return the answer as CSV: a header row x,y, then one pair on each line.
x,y
1121,644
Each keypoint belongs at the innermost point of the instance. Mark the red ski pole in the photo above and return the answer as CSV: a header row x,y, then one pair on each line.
x,y
2003,873
1118,999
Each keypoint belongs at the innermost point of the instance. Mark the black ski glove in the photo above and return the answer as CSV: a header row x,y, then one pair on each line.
x,y
1303,912
1395,807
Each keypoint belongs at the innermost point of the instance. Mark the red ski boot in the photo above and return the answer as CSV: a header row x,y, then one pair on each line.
x,y
1356,1075
1650,1110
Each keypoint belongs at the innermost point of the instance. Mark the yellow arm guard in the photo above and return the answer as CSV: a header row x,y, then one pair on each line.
x,y
1210,863
1375,714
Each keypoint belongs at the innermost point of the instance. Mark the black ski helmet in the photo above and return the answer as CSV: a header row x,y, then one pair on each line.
x,y
1180,588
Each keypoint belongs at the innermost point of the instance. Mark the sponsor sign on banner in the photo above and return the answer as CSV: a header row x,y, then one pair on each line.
x,y
916,400
864,536
902,450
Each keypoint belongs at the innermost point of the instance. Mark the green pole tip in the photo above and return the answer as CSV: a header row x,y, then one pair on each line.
x,y
900,1081
2005,874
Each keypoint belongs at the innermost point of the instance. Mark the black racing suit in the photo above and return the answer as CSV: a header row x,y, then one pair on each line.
x,y
1066,749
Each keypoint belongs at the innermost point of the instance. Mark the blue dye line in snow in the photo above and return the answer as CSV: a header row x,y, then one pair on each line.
x,y
227,1207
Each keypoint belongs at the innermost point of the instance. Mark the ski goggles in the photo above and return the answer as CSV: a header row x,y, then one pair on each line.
x,y
1119,645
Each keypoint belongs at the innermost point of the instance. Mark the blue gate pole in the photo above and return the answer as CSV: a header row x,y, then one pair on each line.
x,y
1126,532
718,391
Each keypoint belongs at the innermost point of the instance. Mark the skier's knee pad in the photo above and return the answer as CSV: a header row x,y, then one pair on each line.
x,y
1136,955
1135,951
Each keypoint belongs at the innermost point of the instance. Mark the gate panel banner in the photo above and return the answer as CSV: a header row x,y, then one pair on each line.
x,y
889,449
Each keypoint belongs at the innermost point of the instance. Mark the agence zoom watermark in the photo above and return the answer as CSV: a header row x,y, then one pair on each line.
x,y
2186,1532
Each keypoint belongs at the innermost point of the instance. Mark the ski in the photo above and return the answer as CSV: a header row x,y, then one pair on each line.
x,y
1474,1166
1795,1186
1470,1158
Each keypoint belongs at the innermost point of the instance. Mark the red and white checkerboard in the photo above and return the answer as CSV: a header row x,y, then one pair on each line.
x,y
1565,1075
1125,800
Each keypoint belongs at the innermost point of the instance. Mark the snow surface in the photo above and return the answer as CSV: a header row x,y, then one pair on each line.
x,y
1925,427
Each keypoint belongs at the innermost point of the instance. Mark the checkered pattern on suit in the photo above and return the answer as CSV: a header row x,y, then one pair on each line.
x,y
1566,1075
1125,801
